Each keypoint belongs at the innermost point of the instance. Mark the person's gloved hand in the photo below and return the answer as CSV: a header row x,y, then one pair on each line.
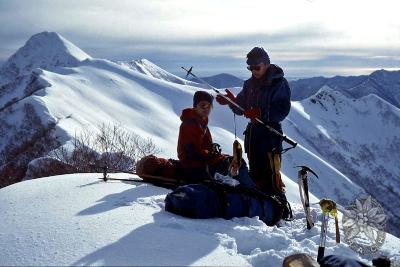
x,y
215,150
222,101
253,113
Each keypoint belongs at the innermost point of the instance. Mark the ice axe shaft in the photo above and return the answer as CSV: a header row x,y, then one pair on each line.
x,y
322,240
285,138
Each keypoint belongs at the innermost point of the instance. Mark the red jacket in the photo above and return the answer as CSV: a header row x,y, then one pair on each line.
x,y
195,141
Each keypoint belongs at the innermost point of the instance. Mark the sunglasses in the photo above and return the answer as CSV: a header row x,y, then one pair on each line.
x,y
254,67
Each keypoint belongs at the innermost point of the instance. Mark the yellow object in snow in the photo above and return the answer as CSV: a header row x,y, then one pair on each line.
x,y
328,206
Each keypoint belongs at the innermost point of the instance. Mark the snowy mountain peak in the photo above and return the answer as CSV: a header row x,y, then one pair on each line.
x,y
328,95
335,102
147,62
148,68
44,50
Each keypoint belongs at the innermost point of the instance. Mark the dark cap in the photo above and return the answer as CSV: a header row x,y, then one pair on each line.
x,y
256,56
202,96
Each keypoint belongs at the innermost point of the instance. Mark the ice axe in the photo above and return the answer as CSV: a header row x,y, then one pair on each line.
x,y
285,138
304,195
328,207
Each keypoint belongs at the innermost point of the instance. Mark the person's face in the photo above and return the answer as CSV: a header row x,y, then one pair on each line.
x,y
203,109
258,70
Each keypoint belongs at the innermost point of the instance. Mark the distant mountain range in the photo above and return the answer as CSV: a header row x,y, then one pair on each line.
x,y
223,80
383,83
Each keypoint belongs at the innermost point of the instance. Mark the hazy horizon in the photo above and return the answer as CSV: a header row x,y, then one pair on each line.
x,y
306,38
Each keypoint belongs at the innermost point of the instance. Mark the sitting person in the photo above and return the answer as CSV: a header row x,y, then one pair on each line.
x,y
198,155
199,158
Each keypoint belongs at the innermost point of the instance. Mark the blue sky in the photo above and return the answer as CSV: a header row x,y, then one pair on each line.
x,y
305,37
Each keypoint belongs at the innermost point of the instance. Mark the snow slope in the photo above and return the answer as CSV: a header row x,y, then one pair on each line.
x,y
80,220
149,68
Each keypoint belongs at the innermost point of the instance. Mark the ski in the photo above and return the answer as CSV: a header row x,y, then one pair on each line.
x,y
304,195
153,182
150,179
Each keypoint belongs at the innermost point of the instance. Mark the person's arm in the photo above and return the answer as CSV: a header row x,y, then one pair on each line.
x,y
240,100
280,103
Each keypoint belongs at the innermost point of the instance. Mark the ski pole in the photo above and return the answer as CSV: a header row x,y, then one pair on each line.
x,y
285,138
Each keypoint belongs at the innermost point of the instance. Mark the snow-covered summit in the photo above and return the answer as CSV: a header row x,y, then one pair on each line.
x,y
147,67
44,50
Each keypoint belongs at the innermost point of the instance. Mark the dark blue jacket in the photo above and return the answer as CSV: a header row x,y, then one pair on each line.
x,y
270,93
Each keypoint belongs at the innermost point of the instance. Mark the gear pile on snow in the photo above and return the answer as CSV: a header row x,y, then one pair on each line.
x,y
222,196
203,201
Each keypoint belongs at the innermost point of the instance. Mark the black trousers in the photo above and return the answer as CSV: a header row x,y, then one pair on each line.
x,y
263,150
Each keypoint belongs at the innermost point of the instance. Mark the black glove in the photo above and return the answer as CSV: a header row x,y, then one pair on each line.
x,y
215,150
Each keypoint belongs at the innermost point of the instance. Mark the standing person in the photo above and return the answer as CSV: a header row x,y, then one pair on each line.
x,y
266,96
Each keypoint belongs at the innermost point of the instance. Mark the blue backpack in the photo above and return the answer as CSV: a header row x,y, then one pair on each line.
x,y
211,200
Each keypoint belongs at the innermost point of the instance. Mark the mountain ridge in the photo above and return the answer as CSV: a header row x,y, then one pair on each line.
x,y
385,84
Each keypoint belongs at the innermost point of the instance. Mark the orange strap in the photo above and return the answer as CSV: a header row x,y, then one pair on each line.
x,y
275,164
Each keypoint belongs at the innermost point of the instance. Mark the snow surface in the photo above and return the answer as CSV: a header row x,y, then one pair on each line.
x,y
78,219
